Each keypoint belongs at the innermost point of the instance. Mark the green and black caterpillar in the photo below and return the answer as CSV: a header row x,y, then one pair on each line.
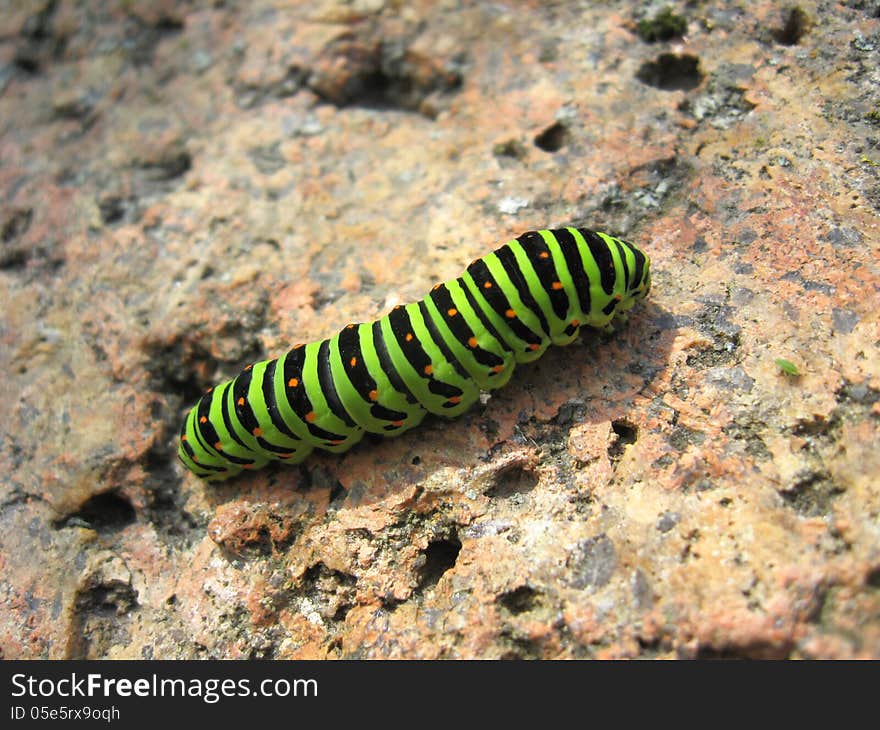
x,y
432,356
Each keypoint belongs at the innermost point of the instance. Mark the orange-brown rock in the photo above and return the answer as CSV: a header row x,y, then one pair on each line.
x,y
183,191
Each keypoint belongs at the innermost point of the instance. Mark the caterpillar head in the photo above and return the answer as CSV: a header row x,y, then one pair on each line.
x,y
640,289
639,282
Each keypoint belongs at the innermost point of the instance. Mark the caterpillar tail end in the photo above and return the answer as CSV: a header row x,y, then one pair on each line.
x,y
210,473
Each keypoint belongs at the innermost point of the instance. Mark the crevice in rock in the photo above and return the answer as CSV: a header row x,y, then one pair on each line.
x,y
511,479
795,25
15,224
105,512
812,492
520,600
440,556
39,42
553,138
625,434
671,72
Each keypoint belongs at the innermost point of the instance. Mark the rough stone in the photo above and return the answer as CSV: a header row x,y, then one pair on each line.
x,y
187,189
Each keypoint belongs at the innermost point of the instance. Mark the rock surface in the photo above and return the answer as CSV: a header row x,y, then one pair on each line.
x,y
187,187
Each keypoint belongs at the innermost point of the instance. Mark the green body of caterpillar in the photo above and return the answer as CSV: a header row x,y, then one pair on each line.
x,y
432,356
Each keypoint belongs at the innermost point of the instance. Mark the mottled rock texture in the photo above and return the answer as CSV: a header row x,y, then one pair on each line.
x,y
186,187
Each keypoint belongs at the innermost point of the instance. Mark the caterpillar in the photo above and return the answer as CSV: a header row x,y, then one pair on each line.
x,y
431,356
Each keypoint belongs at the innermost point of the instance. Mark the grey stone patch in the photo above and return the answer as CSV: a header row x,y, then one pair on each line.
x,y
667,521
592,562
734,378
843,237
844,320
